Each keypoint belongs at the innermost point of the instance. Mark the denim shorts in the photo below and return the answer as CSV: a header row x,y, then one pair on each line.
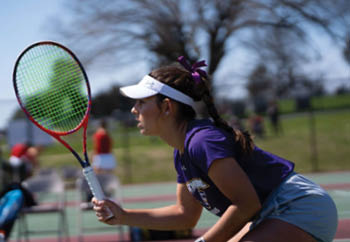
x,y
301,202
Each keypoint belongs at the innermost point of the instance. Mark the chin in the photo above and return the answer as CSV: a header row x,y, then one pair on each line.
x,y
143,132
146,132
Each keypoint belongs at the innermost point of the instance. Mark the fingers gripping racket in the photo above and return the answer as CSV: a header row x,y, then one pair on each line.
x,y
53,90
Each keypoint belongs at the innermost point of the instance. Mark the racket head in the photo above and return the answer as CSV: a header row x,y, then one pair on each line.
x,y
52,88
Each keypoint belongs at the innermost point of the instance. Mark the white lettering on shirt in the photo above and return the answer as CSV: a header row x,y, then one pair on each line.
x,y
200,186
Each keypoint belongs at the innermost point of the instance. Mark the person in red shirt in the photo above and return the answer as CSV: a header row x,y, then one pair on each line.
x,y
23,160
103,158
18,153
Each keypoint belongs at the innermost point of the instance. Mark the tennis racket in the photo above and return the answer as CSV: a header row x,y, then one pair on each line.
x,y
53,90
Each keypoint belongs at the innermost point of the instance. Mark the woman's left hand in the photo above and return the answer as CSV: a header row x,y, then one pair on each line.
x,y
103,210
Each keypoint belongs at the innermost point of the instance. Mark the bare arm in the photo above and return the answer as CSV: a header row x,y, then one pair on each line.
x,y
182,215
235,185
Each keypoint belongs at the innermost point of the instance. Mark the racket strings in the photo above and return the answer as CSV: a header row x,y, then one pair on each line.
x,y
52,88
51,100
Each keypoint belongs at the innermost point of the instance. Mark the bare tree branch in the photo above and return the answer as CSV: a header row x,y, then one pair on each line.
x,y
122,31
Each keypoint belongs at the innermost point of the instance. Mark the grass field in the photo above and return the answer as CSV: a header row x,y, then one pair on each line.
x,y
332,133
318,103
147,159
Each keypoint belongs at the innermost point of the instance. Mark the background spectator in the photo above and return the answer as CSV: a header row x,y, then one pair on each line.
x,y
103,158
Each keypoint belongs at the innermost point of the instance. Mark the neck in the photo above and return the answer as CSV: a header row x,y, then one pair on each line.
x,y
175,136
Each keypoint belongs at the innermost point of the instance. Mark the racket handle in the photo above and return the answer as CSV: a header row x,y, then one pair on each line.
x,y
95,186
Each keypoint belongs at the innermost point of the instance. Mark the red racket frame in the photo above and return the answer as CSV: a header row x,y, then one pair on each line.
x,y
55,134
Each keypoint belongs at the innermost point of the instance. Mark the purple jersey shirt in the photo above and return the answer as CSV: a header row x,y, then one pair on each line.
x,y
205,143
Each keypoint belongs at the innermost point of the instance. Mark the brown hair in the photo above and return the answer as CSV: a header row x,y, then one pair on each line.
x,y
181,79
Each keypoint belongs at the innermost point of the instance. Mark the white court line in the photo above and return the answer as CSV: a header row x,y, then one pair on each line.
x,y
346,212
344,193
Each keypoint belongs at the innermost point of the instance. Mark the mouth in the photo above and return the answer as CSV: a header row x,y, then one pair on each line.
x,y
138,123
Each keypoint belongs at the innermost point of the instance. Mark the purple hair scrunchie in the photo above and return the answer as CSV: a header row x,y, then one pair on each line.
x,y
194,69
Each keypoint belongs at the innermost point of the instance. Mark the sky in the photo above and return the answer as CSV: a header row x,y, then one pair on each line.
x,y
22,23
20,26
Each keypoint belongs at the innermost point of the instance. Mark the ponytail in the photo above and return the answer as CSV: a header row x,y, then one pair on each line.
x,y
242,138
193,81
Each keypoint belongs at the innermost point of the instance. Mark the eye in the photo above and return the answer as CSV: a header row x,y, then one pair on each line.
x,y
139,102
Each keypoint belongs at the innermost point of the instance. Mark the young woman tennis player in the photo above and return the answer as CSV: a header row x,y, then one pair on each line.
x,y
256,194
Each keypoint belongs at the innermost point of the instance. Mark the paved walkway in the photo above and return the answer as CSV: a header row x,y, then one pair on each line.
x,y
161,194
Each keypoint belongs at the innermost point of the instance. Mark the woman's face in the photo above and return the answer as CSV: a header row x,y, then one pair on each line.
x,y
147,114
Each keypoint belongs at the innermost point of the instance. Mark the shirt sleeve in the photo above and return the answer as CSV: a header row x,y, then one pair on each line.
x,y
209,145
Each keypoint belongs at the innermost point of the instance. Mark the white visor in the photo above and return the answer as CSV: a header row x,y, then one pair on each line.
x,y
149,86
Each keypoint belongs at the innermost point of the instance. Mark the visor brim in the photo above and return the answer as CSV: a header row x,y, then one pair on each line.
x,y
137,92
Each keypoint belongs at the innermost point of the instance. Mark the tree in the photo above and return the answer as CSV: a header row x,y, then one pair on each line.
x,y
105,103
259,81
283,61
161,30
346,50
18,114
346,54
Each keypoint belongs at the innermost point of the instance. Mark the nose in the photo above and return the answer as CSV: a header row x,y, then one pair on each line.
x,y
133,110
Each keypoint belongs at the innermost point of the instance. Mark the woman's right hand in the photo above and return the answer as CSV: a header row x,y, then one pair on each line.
x,y
104,207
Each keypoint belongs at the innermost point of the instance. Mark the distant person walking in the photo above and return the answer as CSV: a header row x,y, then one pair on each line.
x,y
274,115
103,157
257,127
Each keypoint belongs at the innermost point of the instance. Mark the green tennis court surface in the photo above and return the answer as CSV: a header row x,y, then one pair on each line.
x,y
160,194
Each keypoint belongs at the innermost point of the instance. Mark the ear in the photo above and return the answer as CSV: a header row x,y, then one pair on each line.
x,y
167,107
